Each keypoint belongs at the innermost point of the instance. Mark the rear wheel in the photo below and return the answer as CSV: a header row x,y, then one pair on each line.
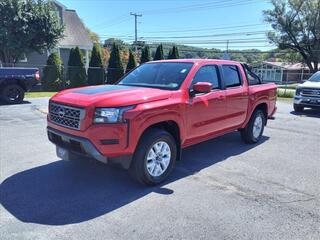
x,y
253,131
12,94
298,108
154,158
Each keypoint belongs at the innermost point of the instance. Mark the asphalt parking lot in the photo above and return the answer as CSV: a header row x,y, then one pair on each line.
x,y
222,188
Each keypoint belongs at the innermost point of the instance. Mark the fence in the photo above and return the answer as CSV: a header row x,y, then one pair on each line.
x,y
55,78
283,76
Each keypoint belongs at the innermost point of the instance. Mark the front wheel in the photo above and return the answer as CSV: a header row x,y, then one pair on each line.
x,y
154,158
298,108
12,94
253,131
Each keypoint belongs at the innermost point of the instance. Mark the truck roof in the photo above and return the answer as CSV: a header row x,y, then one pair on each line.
x,y
217,61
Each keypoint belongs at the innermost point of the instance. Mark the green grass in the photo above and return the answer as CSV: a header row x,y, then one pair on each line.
x,y
39,94
285,93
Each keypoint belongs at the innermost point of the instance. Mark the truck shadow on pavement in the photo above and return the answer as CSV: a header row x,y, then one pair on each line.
x,y
67,192
308,113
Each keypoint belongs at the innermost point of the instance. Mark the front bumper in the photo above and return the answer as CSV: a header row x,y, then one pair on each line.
x,y
307,101
68,144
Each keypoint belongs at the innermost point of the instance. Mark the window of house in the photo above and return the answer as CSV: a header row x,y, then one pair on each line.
x,y
209,74
23,58
231,76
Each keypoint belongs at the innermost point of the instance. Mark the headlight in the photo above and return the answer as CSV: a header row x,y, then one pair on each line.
x,y
110,115
298,91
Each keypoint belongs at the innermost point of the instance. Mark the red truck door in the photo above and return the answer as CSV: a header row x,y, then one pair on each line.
x,y
236,95
205,112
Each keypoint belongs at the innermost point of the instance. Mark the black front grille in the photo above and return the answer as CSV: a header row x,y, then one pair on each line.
x,y
312,92
66,116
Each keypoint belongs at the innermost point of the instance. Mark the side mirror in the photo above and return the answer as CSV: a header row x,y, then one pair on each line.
x,y
202,87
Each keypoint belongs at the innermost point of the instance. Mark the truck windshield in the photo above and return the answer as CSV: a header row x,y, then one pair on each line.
x,y
315,77
163,75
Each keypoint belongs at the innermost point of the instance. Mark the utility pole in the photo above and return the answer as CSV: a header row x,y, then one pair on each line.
x,y
227,46
136,29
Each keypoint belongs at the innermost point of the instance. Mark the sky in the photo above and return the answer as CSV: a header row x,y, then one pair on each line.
x,y
211,24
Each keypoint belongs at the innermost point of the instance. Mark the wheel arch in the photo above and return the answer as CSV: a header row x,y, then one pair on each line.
x,y
171,127
262,106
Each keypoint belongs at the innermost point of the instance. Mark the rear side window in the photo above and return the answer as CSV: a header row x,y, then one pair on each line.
x,y
231,76
207,74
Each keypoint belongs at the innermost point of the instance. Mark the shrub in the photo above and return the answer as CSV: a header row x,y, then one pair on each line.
x,y
52,74
145,55
76,70
96,70
159,53
132,63
174,53
115,67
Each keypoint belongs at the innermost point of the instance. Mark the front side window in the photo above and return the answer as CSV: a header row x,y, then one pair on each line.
x,y
162,75
231,76
207,74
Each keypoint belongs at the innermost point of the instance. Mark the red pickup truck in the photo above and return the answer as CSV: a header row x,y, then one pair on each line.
x,y
144,121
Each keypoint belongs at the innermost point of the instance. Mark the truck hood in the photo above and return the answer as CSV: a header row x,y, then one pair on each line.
x,y
309,84
110,96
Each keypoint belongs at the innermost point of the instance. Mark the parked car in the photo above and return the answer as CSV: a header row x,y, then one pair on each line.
x,y
308,94
14,82
144,121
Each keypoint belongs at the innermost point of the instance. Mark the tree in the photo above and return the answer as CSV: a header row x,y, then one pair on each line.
x,y
296,25
93,36
174,53
115,67
132,63
145,55
76,70
96,70
159,53
27,26
52,74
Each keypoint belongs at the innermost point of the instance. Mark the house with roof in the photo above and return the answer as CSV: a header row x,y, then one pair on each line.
x,y
75,34
281,72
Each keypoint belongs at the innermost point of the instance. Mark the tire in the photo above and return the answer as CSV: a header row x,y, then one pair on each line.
x,y
12,94
253,131
146,170
298,108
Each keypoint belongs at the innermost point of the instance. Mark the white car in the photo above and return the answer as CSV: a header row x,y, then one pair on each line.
x,y
308,94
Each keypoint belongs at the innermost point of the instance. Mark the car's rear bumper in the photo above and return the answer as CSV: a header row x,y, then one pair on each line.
x,y
67,143
307,101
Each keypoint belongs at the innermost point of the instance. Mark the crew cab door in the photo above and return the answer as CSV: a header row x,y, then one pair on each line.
x,y
205,111
236,90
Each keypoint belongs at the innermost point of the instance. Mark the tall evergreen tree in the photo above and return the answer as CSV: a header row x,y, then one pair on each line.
x,y
174,53
71,57
132,63
52,74
115,67
159,53
96,70
76,70
145,55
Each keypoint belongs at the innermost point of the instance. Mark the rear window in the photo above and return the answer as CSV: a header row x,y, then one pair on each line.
x,y
231,76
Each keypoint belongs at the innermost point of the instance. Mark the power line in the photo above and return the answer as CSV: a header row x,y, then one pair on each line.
x,y
193,8
207,29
